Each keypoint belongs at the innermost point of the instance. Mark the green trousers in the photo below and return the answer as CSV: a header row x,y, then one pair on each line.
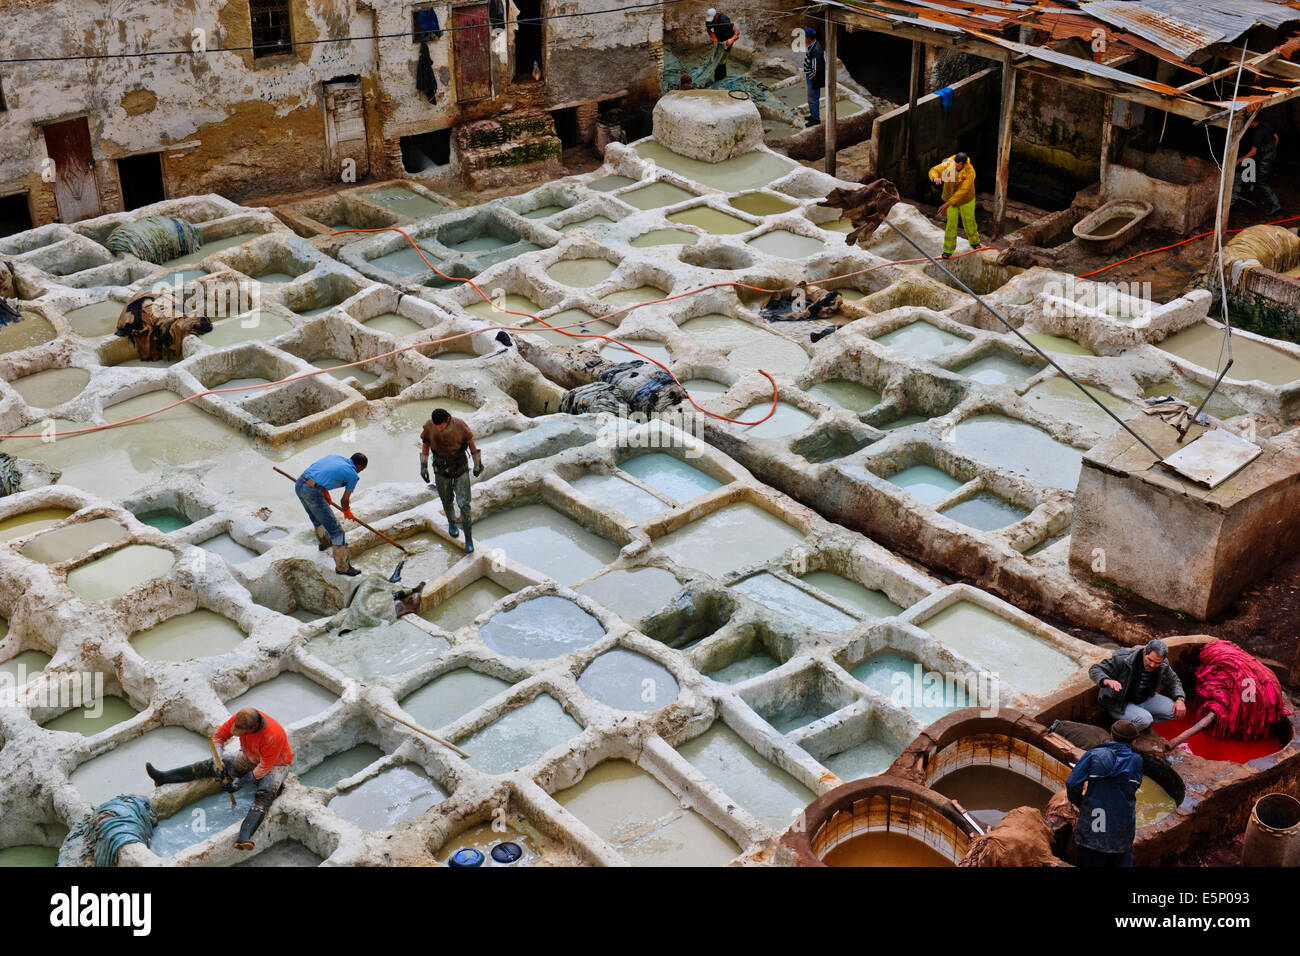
x,y
458,488
967,214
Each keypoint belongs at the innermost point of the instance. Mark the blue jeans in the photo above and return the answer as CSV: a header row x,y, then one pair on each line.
x,y
1155,707
319,511
814,101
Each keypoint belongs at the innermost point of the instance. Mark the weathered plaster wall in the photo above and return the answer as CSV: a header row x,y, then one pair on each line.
x,y
230,124
1056,136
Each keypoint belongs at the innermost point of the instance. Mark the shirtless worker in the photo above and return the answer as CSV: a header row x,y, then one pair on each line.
x,y
447,439
313,491
264,759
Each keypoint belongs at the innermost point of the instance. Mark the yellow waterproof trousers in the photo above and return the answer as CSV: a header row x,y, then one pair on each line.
x,y
967,214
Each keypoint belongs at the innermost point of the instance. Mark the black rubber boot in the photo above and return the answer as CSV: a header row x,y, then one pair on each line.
x,y
249,827
469,541
195,771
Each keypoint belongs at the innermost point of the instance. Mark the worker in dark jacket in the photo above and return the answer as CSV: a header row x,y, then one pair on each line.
x,y
1104,785
720,31
814,74
1137,684
1256,164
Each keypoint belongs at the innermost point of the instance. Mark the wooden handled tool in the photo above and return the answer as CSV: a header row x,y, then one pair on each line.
x,y
358,520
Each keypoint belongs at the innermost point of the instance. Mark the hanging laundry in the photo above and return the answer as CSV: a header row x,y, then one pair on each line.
x,y
427,21
425,81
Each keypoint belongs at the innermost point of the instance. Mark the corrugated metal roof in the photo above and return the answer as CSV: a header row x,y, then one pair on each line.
x,y
1170,33
1185,27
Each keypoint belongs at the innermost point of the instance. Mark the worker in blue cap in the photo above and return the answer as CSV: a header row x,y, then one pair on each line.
x,y
814,74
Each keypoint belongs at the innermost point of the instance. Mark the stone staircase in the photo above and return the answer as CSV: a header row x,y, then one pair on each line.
x,y
508,150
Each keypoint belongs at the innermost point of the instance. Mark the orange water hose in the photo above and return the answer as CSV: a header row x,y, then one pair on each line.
x,y
508,328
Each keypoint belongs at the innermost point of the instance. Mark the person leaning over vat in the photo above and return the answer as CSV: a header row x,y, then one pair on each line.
x,y
447,439
264,759
1130,684
313,491
1104,785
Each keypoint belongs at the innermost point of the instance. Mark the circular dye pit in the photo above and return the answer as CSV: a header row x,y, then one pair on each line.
x,y
989,792
629,681
1213,748
541,627
581,273
885,848
991,773
894,823
52,387
118,572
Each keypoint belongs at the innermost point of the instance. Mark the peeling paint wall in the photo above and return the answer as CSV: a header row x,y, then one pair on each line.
x,y
243,127
1056,136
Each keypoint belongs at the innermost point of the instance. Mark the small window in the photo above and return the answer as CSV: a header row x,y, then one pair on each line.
x,y
271,32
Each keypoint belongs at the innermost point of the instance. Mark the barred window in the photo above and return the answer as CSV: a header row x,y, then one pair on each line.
x,y
271,33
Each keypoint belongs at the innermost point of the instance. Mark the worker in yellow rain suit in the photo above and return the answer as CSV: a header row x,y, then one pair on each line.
x,y
956,175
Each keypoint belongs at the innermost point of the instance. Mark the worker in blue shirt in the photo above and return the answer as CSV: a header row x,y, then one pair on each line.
x,y
313,489
1104,785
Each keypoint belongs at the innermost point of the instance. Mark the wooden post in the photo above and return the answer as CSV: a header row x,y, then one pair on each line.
x,y
829,119
1231,149
1107,139
913,94
1004,146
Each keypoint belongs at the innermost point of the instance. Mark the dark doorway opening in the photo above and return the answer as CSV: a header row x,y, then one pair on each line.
x,y
425,151
566,127
15,215
528,40
142,180
879,63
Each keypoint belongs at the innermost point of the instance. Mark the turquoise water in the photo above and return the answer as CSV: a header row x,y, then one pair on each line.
x,y
925,483
986,512
770,591
521,736
670,476
541,627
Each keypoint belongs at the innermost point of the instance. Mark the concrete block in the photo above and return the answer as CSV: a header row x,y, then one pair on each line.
x,y
709,125
1178,544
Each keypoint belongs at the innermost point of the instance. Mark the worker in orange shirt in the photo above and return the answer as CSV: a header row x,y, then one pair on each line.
x,y
264,759
956,175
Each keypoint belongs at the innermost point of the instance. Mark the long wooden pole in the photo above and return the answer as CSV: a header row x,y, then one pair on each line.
x,y
1193,730
357,520
913,94
1004,147
418,729
221,767
831,119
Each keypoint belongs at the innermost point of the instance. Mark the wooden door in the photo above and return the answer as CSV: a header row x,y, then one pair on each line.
x,y
75,189
345,128
473,52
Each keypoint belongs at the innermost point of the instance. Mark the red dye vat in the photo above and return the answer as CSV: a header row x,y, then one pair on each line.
x,y
1212,748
